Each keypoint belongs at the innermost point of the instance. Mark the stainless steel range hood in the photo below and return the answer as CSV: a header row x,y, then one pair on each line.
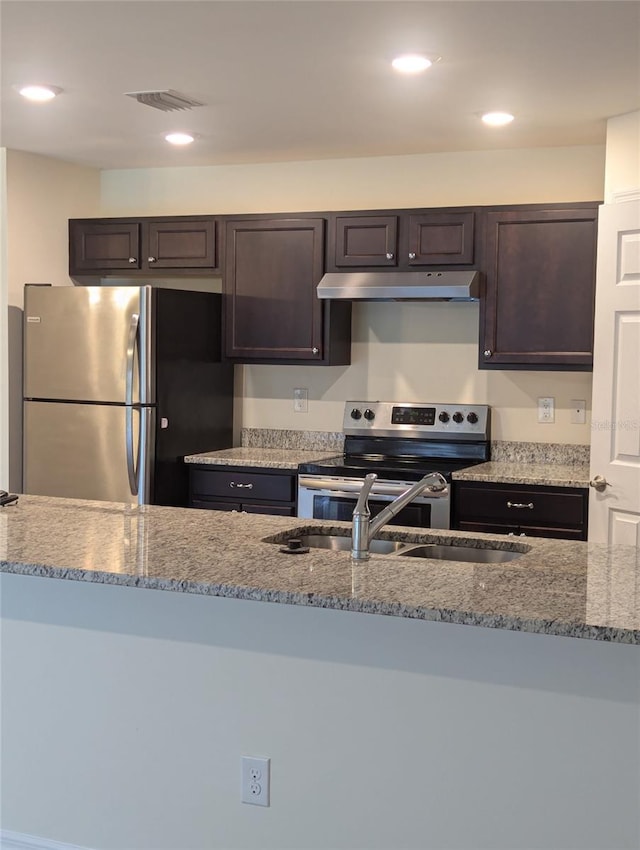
x,y
401,286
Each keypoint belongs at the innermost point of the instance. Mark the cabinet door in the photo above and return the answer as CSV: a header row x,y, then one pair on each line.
x,y
439,239
96,246
181,244
272,269
366,240
539,304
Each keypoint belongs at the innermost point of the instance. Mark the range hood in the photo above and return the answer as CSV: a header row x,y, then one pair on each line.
x,y
401,286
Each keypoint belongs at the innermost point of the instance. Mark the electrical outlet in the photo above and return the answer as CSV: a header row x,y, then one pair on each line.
x,y
578,411
255,780
301,400
546,409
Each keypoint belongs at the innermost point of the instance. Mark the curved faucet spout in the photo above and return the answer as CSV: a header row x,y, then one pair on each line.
x,y
364,528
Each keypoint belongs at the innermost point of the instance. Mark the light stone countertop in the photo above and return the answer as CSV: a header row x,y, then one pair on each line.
x,y
502,472
558,587
277,458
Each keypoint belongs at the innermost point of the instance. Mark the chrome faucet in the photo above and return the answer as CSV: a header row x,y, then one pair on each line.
x,y
364,529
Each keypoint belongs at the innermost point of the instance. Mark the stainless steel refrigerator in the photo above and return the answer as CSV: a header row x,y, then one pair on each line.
x,y
120,382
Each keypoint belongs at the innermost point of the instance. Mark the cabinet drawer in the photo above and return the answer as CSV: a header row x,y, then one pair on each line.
x,y
242,485
521,506
523,530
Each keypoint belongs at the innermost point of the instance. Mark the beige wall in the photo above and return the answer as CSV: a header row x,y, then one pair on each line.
x,y
4,342
42,194
400,351
622,173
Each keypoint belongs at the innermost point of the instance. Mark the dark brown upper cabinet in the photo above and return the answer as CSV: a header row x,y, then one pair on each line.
x,y
272,267
402,239
113,246
441,239
366,240
538,310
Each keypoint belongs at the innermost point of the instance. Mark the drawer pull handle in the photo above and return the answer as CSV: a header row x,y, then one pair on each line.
x,y
520,505
239,485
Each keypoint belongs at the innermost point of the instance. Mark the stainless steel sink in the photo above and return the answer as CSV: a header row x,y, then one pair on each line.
x,y
441,552
343,544
402,549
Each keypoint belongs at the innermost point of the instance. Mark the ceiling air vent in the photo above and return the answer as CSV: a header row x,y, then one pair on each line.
x,y
167,100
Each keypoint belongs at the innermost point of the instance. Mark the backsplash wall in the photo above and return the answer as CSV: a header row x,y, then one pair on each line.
x,y
416,352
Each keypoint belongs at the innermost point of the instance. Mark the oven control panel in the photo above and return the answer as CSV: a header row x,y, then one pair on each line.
x,y
420,420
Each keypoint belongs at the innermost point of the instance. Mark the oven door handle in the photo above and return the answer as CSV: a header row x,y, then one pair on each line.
x,y
354,485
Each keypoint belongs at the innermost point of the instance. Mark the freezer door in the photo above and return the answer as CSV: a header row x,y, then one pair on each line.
x,y
89,343
89,451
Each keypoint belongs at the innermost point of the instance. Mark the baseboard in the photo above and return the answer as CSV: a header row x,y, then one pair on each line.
x,y
10,840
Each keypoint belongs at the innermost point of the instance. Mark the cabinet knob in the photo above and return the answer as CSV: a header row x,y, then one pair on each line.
x,y
599,483
528,505
488,352
315,350
132,260
240,485
389,256
151,259
412,255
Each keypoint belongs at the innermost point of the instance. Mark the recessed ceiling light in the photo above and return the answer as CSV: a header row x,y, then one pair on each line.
x,y
39,93
179,138
411,63
497,119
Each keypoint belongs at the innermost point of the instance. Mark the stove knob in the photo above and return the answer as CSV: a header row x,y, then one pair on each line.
x,y
369,415
457,416
444,416
472,417
355,413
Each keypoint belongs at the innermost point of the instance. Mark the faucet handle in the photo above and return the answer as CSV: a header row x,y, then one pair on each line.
x,y
362,506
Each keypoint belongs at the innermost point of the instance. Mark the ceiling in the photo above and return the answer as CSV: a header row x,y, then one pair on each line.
x,y
310,80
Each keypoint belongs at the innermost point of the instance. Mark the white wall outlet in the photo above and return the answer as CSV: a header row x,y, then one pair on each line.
x,y
301,400
578,411
546,409
255,780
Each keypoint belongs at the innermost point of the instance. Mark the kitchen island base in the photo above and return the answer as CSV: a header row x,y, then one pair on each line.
x,y
125,712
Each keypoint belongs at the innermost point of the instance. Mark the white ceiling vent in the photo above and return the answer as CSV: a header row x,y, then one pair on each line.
x,y
167,100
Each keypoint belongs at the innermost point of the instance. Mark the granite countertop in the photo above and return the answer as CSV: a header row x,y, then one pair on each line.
x,y
557,587
504,472
277,458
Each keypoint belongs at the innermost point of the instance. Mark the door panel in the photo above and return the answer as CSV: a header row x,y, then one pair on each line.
x,y
79,451
76,342
614,508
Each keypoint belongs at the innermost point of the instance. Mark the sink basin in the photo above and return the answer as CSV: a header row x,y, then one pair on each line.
x,y
400,548
459,553
343,544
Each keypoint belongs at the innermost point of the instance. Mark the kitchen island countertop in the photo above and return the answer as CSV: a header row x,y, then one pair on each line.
x,y
557,587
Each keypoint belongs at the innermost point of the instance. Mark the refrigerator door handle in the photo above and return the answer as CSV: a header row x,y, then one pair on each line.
x,y
131,464
131,351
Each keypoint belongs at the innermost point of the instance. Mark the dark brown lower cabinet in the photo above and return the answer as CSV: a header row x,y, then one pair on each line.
x,y
250,489
538,309
538,511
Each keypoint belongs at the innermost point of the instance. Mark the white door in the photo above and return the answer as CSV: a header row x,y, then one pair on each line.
x,y
614,502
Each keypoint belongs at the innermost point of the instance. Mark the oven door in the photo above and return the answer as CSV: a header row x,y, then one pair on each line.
x,y
332,498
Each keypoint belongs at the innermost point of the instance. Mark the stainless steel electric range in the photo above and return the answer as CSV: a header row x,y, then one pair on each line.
x,y
401,442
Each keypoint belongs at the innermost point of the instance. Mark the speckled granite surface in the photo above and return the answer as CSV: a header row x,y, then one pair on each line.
x,y
268,458
540,453
500,472
276,438
558,587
